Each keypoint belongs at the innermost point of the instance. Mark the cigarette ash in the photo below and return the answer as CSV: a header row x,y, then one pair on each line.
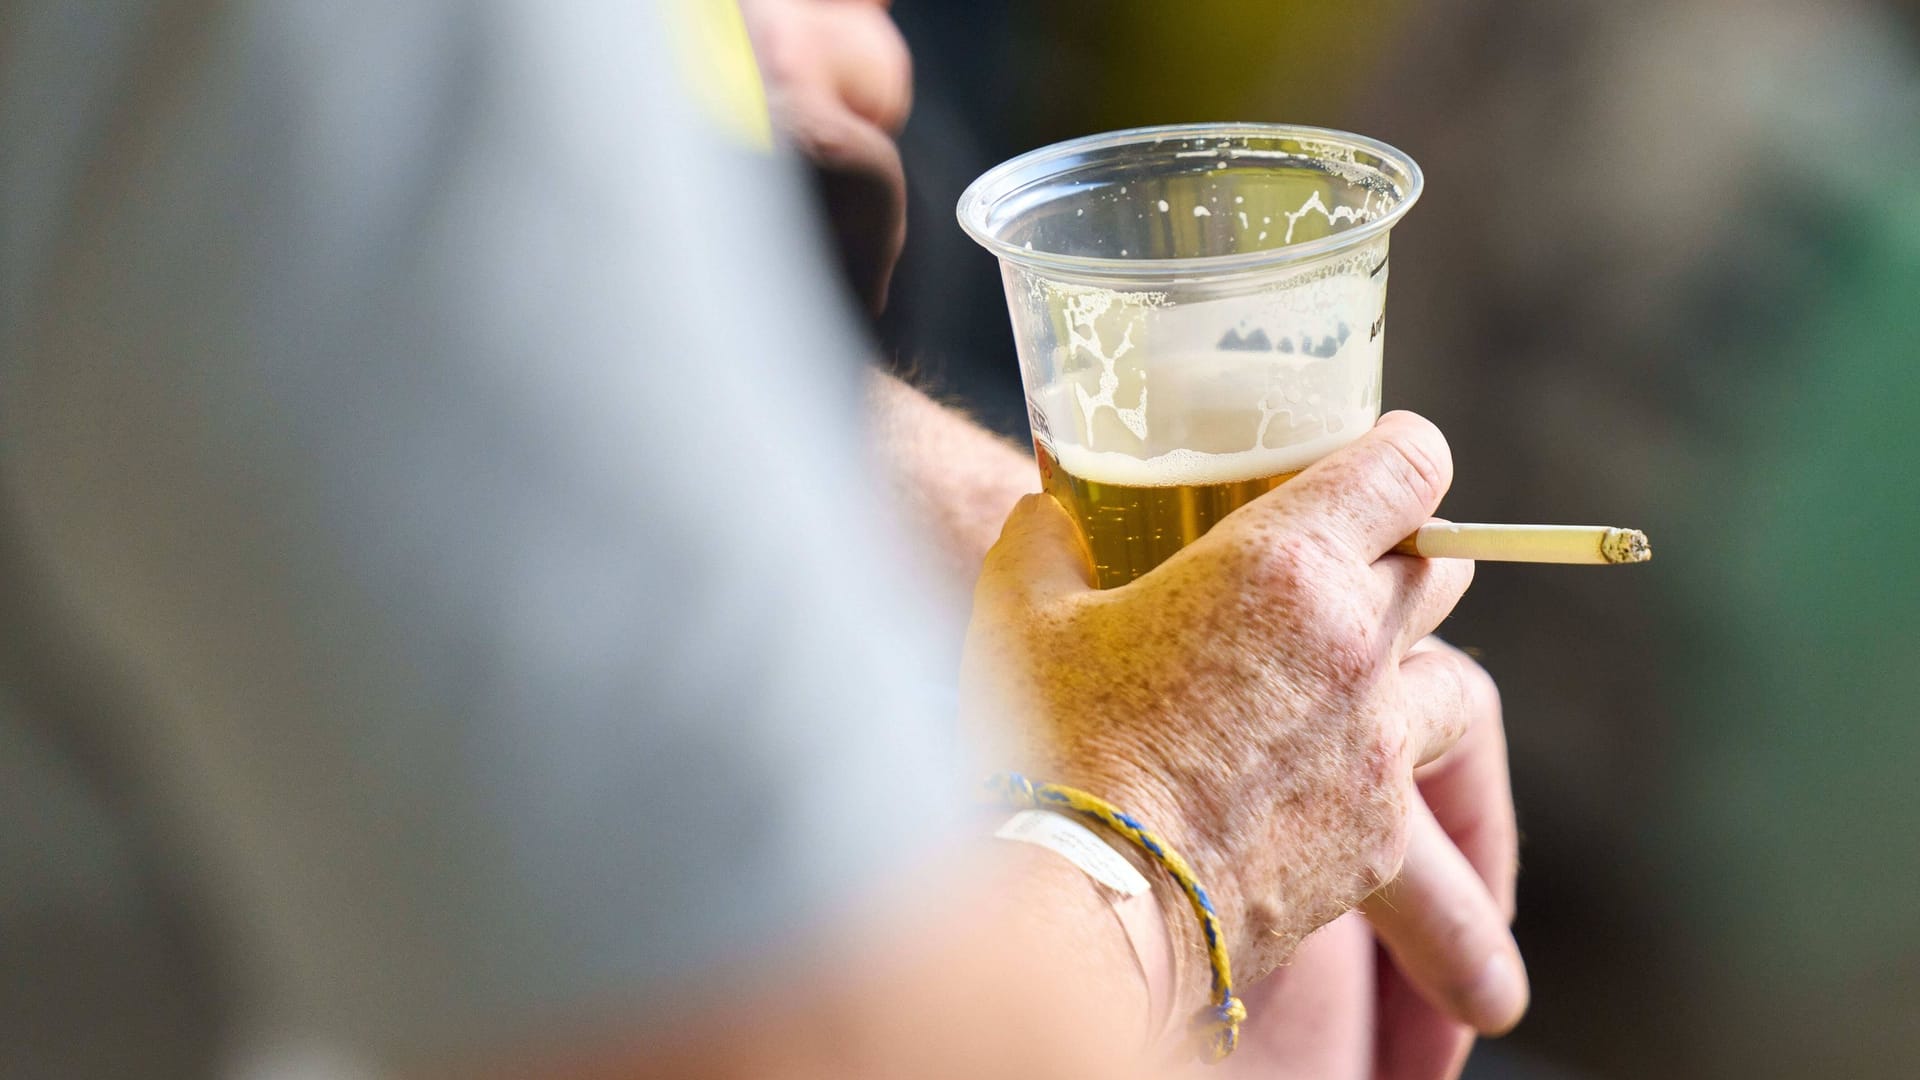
x,y
1626,546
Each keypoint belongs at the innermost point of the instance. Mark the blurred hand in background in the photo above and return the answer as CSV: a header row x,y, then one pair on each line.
x,y
840,84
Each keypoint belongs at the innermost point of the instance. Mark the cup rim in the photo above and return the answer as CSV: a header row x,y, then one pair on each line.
x,y
990,187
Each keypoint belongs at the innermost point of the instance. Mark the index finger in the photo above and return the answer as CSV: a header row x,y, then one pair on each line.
x,y
1372,493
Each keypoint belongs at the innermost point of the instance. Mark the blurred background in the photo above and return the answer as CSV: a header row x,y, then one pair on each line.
x,y
1665,274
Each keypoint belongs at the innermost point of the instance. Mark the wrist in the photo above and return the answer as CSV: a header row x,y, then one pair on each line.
x,y
1167,916
1181,819
1188,917
1054,903
1134,896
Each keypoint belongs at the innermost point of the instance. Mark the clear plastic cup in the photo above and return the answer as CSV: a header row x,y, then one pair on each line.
x,y
1199,312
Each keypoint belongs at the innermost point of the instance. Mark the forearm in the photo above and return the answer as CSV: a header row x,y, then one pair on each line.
x,y
1013,963
955,480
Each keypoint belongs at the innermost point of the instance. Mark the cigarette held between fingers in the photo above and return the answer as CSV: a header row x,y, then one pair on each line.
x,y
1597,545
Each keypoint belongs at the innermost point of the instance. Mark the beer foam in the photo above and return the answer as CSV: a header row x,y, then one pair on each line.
x,y
1178,467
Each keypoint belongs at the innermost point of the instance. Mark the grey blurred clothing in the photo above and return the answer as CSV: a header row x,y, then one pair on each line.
x,y
449,449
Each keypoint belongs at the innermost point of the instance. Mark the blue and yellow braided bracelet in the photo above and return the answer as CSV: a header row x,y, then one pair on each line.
x,y
1219,1023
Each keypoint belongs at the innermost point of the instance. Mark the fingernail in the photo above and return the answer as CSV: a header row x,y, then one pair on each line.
x,y
1498,998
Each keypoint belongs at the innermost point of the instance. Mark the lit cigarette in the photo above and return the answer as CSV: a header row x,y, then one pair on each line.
x,y
1591,544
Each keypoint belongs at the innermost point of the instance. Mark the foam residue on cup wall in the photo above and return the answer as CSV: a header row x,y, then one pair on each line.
x,y
1214,207
1219,180
1085,310
1204,195
1183,195
1350,214
1157,388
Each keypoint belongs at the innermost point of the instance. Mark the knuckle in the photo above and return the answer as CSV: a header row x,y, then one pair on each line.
x,y
1378,750
1449,578
1417,462
1463,695
1348,652
1463,571
1458,714
1479,694
1281,565
1294,589
1384,865
1452,730
1386,757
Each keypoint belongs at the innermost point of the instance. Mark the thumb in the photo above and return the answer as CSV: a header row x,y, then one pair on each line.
x,y
1040,556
